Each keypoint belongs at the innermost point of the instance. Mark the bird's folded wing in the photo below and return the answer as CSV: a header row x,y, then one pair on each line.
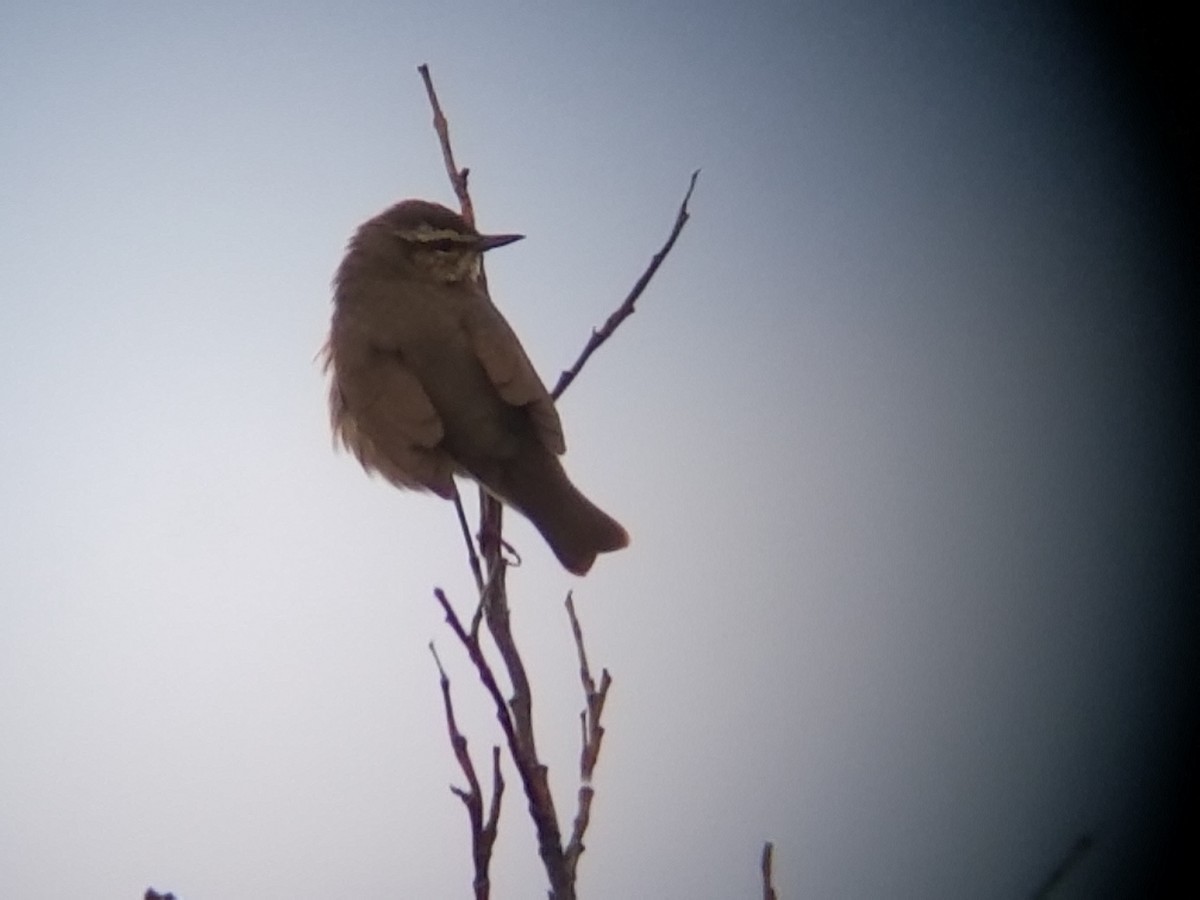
x,y
509,369
399,407
393,428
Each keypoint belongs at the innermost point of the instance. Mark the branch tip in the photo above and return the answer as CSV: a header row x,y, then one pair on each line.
x,y
628,305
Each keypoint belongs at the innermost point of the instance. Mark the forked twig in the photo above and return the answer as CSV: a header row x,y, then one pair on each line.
x,y
475,652
517,726
591,736
483,831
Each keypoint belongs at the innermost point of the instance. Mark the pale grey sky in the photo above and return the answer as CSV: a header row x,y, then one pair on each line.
x,y
899,433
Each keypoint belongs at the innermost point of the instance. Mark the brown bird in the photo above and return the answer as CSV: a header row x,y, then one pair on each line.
x,y
428,380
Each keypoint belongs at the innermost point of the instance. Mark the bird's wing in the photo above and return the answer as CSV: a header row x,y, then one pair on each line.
x,y
509,369
382,414
398,405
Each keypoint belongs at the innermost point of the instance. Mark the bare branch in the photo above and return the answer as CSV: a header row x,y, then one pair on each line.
x,y
768,882
491,542
472,557
475,652
491,513
497,794
591,736
516,716
458,177
533,772
1065,866
626,309
483,834
517,725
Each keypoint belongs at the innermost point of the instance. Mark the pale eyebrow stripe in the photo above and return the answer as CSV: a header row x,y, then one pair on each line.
x,y
428,235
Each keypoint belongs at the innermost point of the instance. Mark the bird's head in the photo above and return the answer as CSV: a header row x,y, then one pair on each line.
x,y
430,241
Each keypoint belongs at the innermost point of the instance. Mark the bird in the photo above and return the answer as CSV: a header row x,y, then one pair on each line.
x,y
427,380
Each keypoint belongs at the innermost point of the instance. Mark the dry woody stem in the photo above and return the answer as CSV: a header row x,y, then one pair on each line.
x,y
591,735
458,177
768,881
626,309
516,715
483,832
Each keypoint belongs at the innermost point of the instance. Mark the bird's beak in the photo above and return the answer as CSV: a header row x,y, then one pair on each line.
x,y
492,241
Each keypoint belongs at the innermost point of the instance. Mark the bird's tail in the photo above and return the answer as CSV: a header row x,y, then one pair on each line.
x,y
578,531
574,527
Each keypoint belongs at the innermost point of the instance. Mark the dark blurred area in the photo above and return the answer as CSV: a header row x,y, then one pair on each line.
x,y
1148,53
1156,72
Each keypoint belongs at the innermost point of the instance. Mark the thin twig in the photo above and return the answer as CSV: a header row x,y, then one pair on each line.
x,y
458,177
475,652
591,736
1064,867
768,881
491,543
593,732
497,793
472,557
626,309
483,834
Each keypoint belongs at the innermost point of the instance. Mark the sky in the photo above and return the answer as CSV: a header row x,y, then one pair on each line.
x,y
902,432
